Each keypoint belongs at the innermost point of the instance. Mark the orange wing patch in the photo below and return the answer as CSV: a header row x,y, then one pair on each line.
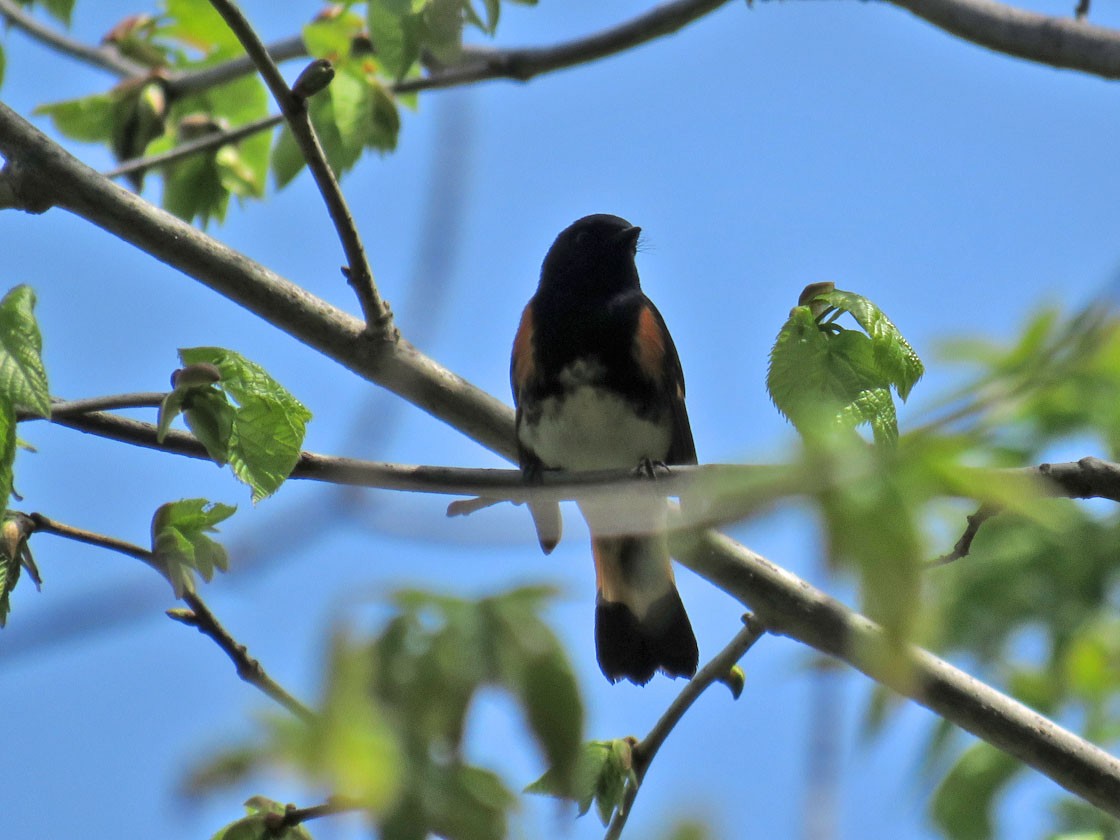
x,y
524,366
649,345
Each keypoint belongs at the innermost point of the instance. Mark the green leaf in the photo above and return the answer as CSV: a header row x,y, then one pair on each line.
x,y
532,664
268,427
350,747
7,452
602,775
210,417
893,354
287,159
23,379
394,32
89,119
443,30
822,375
2,64
963,803
332,37
197,24
61,10
181,545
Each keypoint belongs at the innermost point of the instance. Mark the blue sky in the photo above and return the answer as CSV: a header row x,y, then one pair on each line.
x,y
760,149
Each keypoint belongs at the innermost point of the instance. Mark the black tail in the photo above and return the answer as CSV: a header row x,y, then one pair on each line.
x,y
640,623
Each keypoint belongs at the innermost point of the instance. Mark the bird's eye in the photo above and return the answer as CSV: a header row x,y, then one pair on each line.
x,y
581,237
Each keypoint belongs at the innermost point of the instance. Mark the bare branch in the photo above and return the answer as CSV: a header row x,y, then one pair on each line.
x,y
212,140
293,816
1059,42
715,671
378,316
106,58
964,544
70,408
525,63
198,616
249,669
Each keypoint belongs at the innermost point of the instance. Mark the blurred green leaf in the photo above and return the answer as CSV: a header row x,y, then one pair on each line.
x,y
349,747
603,772
61,10
331,36
23,379
395,34
964,801
196,24
534,667
181,544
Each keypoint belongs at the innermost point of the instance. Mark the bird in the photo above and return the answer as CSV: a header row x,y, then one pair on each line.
x,y
597,384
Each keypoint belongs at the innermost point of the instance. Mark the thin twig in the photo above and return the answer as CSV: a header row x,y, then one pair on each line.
x,y
525,63
378,316
964,544
293,816
715,671
112,402
106,58
199,615
249,669
213,140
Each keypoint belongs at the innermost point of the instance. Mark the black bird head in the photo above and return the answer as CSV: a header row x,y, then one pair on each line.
x,y
592,258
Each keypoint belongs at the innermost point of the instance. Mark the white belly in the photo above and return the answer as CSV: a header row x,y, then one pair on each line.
x,y
593,429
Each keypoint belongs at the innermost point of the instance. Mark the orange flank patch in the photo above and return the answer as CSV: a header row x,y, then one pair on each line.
x,y
649,345
523,366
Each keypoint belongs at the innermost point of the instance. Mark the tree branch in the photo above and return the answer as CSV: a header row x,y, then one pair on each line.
x,y
1059,42
198,616
715,671
40,173
964,544
211,140
378,316
106,58
293,816
248,669
524,63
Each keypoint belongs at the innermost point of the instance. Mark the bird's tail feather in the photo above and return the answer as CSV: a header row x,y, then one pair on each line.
x,y
641,626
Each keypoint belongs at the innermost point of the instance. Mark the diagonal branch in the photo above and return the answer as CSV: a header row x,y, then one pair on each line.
x,y
39,173
1060,42
378,316
198,616
107,58
524,63
646,749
